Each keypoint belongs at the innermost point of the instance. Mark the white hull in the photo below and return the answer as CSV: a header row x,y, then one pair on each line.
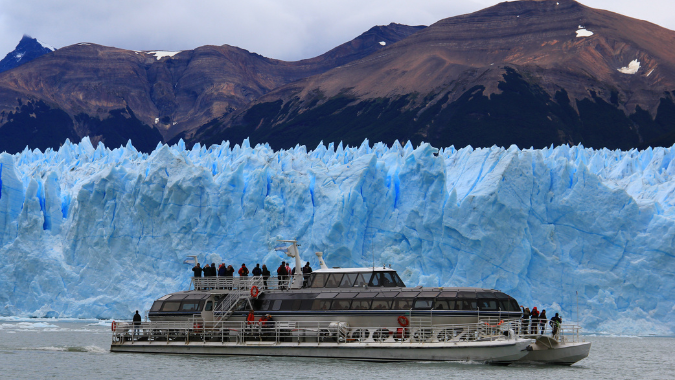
x,y
549,351
501,352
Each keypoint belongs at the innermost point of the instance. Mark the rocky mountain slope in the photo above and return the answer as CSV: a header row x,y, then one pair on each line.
x,y
113,95
27,50
530,73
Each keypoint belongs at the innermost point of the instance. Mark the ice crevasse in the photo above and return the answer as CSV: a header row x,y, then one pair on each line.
x,y
96,233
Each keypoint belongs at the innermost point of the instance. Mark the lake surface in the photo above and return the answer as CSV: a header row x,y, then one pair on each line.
x,y
57,349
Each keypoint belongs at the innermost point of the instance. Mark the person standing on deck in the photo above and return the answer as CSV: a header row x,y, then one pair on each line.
x,y
525,321
243,271
542,321
534,322
257,271
198,270
281,273
265,275
137,322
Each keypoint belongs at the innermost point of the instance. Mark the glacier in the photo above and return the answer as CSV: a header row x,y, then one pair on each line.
x,y
96,232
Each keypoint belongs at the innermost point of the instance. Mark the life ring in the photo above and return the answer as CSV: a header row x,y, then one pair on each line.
x,y
254,291
403,321
497,325
113,326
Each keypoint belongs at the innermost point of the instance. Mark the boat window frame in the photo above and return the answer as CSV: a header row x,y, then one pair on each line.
x,y
378,300
169,303
425,299
339,301
347,276
360,284
368,301
157,303
324,302
316,277
333,278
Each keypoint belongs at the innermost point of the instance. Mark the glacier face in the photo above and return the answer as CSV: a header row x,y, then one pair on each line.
x,y
98,233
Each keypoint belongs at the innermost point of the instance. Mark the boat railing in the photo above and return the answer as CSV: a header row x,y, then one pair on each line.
x,y
228,283
274,332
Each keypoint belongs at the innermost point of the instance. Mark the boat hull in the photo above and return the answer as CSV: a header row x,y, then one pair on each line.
x,y
546,350
504,352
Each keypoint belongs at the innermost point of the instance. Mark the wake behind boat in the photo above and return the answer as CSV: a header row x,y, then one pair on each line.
x,y
350,313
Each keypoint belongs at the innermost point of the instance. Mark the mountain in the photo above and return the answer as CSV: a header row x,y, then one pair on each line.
x,y
27,50
530,73
113,95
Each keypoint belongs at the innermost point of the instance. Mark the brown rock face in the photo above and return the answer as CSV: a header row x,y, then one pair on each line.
x,y
573,61
99,86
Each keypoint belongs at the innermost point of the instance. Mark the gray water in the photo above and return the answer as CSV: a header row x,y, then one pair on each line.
x,y
49,349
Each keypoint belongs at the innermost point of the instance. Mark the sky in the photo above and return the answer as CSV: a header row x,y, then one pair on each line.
x,y
282,29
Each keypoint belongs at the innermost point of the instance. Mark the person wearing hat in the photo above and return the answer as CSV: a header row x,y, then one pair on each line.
x,y
243,271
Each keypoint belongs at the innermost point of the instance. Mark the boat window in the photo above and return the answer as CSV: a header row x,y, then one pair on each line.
x,y
171,306
296,305
444,305
509,305
321,305
241,305
361,304
403,303
488,305
289,304
360,281
501,295
276,305
156,306
265,305
177,297
374,280
485,295
423,304
333,280
306,304
209,306
466,304
381,304
389,294
388,280
398,280
319,279
196,296
340,304
348,280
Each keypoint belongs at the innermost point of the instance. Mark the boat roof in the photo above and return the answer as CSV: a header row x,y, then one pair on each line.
x,y
354,270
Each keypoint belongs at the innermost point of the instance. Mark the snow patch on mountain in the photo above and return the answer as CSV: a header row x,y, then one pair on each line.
x,y
582,32
161,54
632,67
97,233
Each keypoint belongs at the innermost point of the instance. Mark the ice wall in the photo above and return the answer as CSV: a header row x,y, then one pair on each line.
x,y
90,232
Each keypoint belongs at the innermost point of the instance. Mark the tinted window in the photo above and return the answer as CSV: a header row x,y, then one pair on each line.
x,y
348,280
444,305
296,305
276,305
321,305
465,304
334,280
361,304
398,280
374,280
319,280
360,281
403,303
388,280
340,304
209,306
171,306
381,304
488,305
265,305
424,304
156,306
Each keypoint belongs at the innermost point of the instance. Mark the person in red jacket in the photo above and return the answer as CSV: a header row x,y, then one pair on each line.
x,y
250,318
534,325
243,271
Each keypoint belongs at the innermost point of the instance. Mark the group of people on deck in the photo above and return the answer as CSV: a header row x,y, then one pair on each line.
x,y
284,272
534,322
